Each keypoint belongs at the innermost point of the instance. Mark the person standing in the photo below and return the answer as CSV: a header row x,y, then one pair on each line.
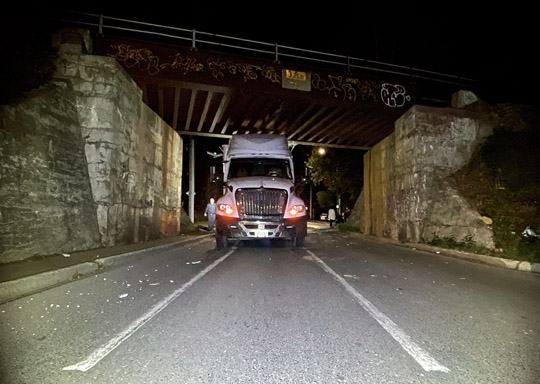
x,y
210,212
331,216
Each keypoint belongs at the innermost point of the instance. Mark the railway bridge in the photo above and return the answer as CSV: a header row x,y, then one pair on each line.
x,y
104,137
205,84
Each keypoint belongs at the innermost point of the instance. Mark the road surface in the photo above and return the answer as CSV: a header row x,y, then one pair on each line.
x,y
339,310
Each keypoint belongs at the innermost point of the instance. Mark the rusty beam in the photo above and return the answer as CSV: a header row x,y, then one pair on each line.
x,y
191,107
308,122
320,123
220,111
204,114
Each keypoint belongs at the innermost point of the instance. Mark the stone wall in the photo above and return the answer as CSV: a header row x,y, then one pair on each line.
x,y
85,163
408,195
46,203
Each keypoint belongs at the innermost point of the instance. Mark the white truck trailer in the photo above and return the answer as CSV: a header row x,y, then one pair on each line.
x,y
260,200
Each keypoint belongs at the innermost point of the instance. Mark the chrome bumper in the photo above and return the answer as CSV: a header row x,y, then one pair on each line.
x,y
258,229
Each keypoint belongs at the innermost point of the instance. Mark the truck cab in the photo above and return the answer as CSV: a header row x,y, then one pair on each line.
x,y
259,200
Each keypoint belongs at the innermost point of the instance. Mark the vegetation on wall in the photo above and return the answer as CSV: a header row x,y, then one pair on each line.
x,y
503,182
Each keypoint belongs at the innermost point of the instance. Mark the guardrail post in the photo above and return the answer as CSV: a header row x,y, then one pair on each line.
x,y
193,38
276,56
100,26
348,64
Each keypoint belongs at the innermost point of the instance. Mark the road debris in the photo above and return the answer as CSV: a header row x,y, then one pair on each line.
x,y
352,276
529,233
123,295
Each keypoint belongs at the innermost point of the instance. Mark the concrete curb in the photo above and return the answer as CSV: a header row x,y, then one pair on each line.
x,y
14,289
116,260
517,265
24,286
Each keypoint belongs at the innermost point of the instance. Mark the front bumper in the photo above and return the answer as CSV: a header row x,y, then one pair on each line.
x,y
245,229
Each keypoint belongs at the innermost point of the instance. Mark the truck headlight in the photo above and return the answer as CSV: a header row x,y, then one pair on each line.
x,y
225,208
296,209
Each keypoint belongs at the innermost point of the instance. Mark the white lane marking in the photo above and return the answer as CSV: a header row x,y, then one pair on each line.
x,y
100,353
422,357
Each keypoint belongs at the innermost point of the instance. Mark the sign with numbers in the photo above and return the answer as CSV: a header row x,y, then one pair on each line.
x,y
298,80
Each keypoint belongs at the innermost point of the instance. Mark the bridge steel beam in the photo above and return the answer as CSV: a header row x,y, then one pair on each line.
x,y
223,93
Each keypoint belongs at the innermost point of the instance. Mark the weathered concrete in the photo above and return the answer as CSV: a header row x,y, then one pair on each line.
x,y
407,193
85,163
46,203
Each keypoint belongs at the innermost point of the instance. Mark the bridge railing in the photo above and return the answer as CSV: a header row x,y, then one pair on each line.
x,y
278,52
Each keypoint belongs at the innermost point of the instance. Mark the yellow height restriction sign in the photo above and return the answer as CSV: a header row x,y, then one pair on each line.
x,y
298,80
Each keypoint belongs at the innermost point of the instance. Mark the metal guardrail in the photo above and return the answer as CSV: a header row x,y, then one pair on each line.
x,y
276,51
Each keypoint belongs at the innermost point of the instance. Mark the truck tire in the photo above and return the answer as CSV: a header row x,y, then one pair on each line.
x,y
298,241
221,241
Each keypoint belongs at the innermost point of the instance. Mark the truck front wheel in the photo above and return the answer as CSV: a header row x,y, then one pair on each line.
x,y
298,241
221,241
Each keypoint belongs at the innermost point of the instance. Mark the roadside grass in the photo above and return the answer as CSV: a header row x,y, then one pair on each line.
x,y
347,228
450,242
502,181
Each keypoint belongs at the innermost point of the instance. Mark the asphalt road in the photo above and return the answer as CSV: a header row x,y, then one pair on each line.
x,y
340,310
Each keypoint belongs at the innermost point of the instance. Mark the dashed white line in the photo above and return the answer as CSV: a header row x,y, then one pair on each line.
x,y
100,353
423,358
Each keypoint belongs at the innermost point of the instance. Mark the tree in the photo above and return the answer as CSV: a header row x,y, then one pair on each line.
x,y
326,199
340,171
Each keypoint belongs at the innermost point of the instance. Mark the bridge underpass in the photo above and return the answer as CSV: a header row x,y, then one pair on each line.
x,y
300,94
211,94
123,162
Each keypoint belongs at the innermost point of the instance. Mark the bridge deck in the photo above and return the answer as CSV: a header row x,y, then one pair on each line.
x,y
214,94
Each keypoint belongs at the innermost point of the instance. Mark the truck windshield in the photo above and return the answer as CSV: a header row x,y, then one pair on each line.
x,y
260,167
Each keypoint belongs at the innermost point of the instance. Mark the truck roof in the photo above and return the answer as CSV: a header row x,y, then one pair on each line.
x,y
258,144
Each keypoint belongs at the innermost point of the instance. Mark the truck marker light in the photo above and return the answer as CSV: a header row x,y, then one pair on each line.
x,y
296,209
226,208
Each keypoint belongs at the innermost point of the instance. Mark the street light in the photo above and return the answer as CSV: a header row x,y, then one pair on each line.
x,y
322,151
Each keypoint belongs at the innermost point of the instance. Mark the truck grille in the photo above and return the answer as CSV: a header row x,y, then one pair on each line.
x,y
261,202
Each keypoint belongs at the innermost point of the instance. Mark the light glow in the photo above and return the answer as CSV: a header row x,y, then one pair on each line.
x,y
297,209
226,208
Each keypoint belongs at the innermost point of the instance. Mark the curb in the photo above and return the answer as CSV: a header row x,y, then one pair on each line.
x,y
517,265
116,260
24,286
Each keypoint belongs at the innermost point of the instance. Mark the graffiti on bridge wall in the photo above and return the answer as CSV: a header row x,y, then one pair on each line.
x,y
394,95
145,60
338,87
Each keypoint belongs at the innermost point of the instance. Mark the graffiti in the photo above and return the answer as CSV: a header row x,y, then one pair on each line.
x,y
349,89
142,58
338,87
146,61
366,89
220,67
270,73
185,64
394,95
248,70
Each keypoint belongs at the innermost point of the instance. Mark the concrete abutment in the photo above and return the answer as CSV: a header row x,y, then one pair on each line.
x,y
408,194
84,163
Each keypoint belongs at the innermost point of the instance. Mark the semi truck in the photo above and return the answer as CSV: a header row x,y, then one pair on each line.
x,y
261,199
